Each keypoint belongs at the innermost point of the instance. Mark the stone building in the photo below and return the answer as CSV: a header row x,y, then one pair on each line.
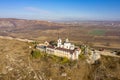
x,y
65,49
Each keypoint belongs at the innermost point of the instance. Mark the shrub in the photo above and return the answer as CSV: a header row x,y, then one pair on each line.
x,y
53,43
36,54
55,58
64,60
118,53
34,42
81,56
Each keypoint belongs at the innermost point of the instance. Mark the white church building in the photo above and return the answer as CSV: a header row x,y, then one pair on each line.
x,y
65,49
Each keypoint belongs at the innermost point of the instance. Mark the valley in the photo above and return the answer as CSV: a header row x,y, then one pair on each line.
x,y
103,34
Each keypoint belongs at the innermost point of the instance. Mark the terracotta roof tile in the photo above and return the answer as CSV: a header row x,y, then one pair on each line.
x,y
62,49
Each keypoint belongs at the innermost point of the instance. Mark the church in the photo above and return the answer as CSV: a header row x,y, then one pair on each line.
x,y
63,49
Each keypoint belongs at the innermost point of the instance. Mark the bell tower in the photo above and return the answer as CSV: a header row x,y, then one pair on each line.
x,y
59,43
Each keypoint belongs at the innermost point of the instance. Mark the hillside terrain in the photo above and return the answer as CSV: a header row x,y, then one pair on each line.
x,y
18,64
100,34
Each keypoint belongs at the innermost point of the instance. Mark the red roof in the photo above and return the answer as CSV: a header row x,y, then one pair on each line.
x,y
66,50
51,47
62,49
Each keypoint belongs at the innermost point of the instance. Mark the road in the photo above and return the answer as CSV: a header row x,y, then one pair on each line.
x,y
105,53
108,53
19,39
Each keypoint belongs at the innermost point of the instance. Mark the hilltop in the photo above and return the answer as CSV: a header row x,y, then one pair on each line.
x,y
18,64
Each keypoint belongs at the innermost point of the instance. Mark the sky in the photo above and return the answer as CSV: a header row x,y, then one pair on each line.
x,y
61,9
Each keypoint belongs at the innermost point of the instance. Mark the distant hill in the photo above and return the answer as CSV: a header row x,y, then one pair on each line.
x,y
95,33
11,24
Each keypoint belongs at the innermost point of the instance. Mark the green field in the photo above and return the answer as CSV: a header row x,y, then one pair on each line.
x,y
97,32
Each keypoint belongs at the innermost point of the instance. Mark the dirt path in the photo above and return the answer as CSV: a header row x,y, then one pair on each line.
x,y
11,38
107,53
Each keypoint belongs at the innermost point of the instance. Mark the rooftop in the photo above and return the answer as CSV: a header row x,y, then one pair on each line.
x,y
62,49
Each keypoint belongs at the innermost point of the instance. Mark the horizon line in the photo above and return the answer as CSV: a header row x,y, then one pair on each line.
x,y
60,20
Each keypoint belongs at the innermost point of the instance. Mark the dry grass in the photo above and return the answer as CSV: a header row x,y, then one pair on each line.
x,y
17,64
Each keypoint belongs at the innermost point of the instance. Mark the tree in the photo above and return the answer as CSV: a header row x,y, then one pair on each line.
x,y
53,43
36,53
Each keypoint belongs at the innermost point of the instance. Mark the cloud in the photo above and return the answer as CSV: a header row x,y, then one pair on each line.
x,y
37,10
